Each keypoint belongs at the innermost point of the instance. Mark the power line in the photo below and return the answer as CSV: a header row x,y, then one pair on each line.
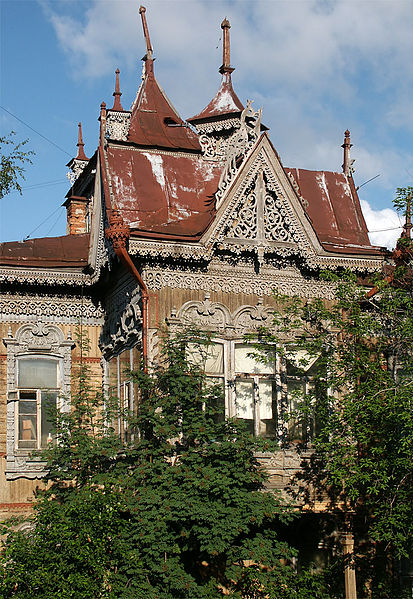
x,y
35,131
54,224
39,185
42,223
389,229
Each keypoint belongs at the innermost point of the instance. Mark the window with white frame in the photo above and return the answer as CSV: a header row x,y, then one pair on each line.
x,y
38,386
248,382
211,357
255,389
38,380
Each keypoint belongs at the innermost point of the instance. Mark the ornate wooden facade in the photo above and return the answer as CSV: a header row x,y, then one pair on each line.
x,y
171,222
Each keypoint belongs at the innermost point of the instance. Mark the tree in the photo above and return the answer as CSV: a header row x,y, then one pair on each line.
x,y
177,512
361,405
12,164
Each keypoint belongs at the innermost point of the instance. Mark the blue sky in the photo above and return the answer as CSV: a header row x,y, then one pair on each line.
x,y
316,67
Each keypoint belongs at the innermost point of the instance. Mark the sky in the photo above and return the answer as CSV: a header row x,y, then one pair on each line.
x,y
317,67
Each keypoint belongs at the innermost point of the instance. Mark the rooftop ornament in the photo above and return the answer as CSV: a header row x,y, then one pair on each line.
x,y
117,94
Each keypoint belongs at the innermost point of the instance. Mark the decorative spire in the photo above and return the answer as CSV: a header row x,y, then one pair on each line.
x,y
225,67
80,145
407,228
102,119
149,50
117,94
347,165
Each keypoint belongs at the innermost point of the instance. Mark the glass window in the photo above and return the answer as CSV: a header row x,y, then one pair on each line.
x,y
38,383
300,370
210,358
255,389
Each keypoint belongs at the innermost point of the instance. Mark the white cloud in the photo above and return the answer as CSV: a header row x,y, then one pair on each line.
x,y
383,225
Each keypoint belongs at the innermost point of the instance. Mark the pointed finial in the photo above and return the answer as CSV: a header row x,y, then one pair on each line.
x,y
80,145
347,165
407,228
149,50
117,94
225,67
102,119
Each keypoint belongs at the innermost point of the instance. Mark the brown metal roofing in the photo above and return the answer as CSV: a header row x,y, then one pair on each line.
x,y
163,192
155,122
224,102
334,210
69,251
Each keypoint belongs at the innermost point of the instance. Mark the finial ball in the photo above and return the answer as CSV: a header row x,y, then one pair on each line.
x,y
142,9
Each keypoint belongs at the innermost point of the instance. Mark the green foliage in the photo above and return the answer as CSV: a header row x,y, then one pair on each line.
x,y
11,167
178,512
403,199
362,401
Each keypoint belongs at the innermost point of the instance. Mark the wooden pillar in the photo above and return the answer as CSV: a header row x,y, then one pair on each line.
x,y
349,568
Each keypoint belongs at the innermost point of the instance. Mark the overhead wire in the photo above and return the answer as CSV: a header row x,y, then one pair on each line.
x,y
35,131
42,223
39,185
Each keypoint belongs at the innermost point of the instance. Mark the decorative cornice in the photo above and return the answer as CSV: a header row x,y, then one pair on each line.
x,y
43,276
51,308
225,278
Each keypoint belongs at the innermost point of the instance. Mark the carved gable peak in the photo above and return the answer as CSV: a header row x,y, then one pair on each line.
x,y
261,213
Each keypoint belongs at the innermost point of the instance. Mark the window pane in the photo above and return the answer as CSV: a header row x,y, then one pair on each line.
x,y
244,398
267,406
217,402
37,373
215,359
209,357
300,360
49,402
27,431
295,390
248,364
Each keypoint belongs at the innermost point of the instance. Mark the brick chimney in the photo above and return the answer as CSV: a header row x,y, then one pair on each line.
x,y
77,215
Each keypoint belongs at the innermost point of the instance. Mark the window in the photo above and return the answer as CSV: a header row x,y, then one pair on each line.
x,y
255,390
300,369
249,385
211,358
38,384
120,385
38,379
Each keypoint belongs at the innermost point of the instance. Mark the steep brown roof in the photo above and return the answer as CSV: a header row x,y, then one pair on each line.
x,y
225,102
334,210
69,251
155,122
162,191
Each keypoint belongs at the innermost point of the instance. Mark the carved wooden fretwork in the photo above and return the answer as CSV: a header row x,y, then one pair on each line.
x,y
123,321
51,308
261,216
35,339
239,279
44,276
117,124
76,169
239,144
215,316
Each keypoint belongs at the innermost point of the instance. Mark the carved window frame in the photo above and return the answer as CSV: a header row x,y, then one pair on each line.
x,y
230,329
42,341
